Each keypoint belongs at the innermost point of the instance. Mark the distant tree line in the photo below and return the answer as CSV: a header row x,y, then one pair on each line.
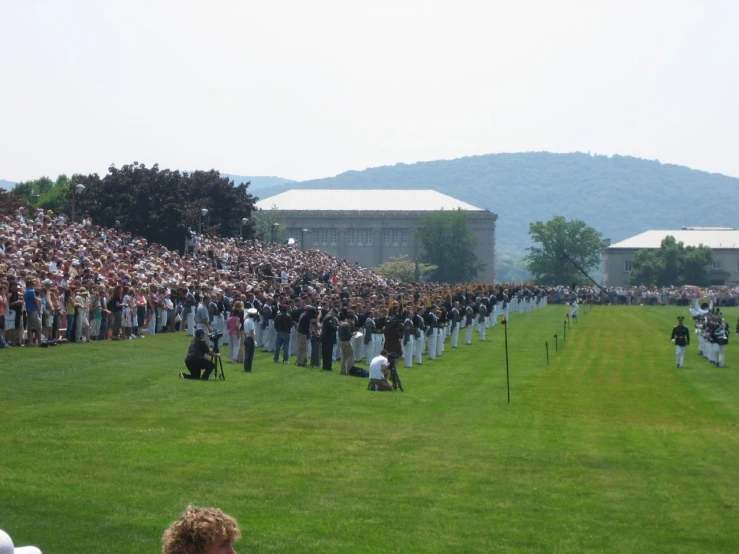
x,y
619,192
672,264
558,243
158,204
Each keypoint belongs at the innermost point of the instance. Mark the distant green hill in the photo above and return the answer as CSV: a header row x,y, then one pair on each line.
x,y
7,185
258,182
619,195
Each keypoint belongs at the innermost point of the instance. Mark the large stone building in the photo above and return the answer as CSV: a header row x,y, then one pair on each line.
x,y
724,241
371,226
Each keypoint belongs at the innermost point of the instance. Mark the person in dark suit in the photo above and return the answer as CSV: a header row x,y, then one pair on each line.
x,y
681,339
393,332
197,358
328,338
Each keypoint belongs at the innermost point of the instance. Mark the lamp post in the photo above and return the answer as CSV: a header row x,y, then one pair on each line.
x,y
244,221
302,238
77,189
203,213
274,230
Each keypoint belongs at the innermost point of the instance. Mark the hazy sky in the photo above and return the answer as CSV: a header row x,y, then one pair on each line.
x,y
306,89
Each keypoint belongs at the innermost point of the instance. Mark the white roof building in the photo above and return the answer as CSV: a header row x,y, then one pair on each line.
x,y
713,237
724,241
373,200
370,226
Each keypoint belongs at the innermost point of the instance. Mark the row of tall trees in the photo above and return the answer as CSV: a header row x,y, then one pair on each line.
x,y
672,263
447,243
162,205
159,204
557,240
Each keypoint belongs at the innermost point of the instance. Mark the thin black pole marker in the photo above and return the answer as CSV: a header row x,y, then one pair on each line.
x,y
507,374
556,347
546,345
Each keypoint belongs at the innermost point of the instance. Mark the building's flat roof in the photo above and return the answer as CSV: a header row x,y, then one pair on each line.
x,y
713,237
373,200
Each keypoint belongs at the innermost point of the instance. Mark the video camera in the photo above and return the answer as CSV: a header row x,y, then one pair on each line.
x,y
215,337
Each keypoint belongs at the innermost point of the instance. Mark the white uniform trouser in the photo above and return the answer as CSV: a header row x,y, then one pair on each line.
x,y
408,351
190,322
372,348
468,334
494,316
215,324
258,335
455,336
720,354
680,355
225,341
293,341
432,337
161,319
418,346
83,326
233,348
367,349
481,328
269,336
95,327
358,347
378,341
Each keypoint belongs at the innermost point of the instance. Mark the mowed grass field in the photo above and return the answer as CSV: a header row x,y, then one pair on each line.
x,y
611,448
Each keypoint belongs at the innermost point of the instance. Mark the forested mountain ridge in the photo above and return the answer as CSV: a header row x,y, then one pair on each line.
x,y
258,183
618,195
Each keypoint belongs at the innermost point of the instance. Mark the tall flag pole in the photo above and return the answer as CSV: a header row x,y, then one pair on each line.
x,y
504,321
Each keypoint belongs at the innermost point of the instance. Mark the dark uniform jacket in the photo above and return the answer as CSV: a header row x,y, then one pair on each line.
x,y
197,350
328,330
681,335
283,322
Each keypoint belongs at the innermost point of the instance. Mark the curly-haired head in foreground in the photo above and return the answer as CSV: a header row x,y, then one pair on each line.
x,y
201,531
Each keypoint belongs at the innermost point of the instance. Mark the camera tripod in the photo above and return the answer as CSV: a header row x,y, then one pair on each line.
x,y
218,363
394,377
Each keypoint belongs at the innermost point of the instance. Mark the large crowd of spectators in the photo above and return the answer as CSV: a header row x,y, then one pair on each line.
x,y
647,296
75,282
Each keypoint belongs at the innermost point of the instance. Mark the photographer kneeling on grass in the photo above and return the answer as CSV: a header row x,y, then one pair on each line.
x,y
197,358
379,369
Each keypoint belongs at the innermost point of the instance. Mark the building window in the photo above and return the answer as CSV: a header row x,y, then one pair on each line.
x,y
737,267
716,264
326,237
395,237
627,266
359,237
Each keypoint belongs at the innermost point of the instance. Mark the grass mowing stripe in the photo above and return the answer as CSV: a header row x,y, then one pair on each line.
x,y
609,449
